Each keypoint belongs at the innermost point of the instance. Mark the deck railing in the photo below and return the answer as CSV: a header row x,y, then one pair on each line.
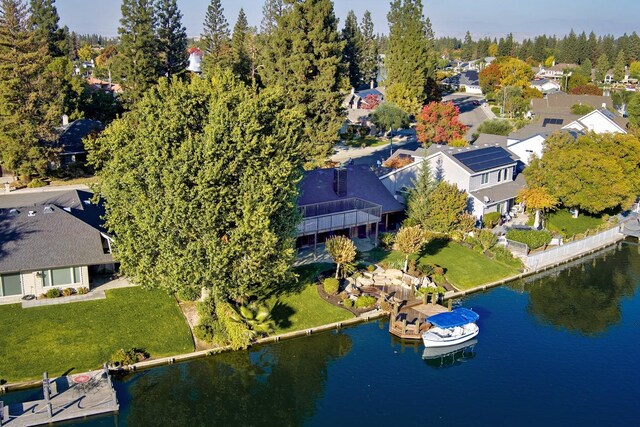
x,y
338,215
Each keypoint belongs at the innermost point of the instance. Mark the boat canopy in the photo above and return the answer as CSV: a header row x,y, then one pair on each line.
x,y
451,319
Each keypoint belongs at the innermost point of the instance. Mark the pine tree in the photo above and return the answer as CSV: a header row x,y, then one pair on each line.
x,y
29,107
619,67
272,10
241,59
369,52
306,52
172,39
44,18
585,68
468,47
351,54
409,82
138,50
602,67
417,203
215,37
592,47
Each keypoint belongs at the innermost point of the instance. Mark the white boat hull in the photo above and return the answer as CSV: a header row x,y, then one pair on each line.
x,y
432,339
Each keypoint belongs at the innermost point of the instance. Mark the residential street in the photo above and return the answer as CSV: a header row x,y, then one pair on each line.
x,y
470,114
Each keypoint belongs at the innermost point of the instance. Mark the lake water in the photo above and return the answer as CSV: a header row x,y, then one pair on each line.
x,y
558,350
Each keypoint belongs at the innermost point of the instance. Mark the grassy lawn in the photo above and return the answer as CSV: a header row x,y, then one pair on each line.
x,y
75,181
562,222
303,308
81,336
465,268
368,141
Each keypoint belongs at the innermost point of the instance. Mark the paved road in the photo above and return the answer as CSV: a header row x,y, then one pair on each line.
x,y
470,114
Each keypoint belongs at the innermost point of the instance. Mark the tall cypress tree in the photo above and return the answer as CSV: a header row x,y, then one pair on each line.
x,y
602,67
410,83
172,39
241,59
44,18
271,11
215,37
352,38
306,52
138,50
619,67
29,110
369,52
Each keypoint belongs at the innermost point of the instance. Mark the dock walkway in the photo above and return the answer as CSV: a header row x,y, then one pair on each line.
x,y
70,397
409,321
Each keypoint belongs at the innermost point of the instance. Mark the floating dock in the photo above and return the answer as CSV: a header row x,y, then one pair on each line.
x,y
409,321
65,398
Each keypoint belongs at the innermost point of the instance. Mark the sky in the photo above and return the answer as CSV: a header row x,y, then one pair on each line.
x,y
523,18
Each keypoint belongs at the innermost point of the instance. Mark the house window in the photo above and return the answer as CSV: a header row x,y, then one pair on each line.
x,y
485,178
499,176
61,276
10,284
505,172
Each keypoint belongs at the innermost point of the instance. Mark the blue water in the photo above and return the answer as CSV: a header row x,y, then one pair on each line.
x,y
557,350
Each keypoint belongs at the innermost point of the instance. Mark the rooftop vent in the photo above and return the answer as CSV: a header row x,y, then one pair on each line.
x,y
48,209
32,213
486,199
340,181
14,211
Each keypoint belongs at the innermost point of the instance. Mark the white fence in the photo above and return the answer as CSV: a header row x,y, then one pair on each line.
x,y
573,249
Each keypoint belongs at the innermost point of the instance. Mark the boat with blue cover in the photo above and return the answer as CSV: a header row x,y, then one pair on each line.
x,y
451,328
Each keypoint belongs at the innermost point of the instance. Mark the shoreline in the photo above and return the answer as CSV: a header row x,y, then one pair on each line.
x,y
363,318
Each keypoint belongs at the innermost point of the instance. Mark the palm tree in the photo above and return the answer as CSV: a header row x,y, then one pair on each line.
x,y
342,250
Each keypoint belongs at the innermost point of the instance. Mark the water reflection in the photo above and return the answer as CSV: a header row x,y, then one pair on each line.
x,y
585,297
274,385
443,357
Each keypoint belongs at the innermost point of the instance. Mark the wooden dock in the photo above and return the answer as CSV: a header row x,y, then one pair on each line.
x,y
65,398
409,321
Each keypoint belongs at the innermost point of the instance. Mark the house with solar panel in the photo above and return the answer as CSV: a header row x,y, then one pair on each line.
x,y
487,171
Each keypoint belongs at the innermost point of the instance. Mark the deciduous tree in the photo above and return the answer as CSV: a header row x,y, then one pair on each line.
x,y
409,241
537,199
342,250
439,123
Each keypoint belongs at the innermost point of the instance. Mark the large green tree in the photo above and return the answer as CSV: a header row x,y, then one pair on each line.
x,y
351,54
305,52
30,105
200,187
44,18
215,37
241,58
418,199
272,10
411,58
172,39
602,67
445,206
369,52
138,50
619,67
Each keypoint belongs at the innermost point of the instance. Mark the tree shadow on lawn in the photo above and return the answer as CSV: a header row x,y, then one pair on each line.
x,y
281,314
433,247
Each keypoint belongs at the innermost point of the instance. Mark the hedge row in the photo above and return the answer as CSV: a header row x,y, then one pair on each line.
x,y
532,238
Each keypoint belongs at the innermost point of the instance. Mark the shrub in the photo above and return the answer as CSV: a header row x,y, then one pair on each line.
x,y
365,301
438,279
413,270
68,292
491,219
458,142
581,109
496,110
426,269
83,290
189,293
347,302
371,268
505,256
331,285
438,271
386,240
532,238
398,162
52,293
496,127
128,357
486,239
38,182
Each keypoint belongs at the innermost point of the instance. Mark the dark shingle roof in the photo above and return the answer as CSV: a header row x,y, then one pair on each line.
x,y
71,139
317,187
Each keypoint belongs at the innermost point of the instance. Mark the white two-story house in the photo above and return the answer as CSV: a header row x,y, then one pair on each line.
x,y
488,172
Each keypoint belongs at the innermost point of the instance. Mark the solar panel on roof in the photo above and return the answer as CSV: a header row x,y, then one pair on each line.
x,y
552,121
484,158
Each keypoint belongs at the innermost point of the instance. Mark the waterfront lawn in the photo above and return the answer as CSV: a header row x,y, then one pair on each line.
x,y
302,307
82,336
464,267
561,221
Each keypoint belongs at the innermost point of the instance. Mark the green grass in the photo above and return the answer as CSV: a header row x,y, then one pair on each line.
x,y
464,267
303,308
75,181
81,336
562,222
368,141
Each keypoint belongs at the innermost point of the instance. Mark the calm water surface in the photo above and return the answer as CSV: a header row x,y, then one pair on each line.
x,y
557,350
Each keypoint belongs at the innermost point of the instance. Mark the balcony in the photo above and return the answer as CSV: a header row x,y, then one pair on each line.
x,y
337,215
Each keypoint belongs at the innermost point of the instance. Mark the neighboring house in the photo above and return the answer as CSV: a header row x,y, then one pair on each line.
x,y
358,100
347,201
103,85
195,60
473,65
561,103
70,142
528,142
468,81
545,86
50,239
556,72
487,171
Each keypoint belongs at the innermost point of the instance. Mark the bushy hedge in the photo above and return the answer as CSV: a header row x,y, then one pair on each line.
x,y
491,219
532,238
365,301
331,285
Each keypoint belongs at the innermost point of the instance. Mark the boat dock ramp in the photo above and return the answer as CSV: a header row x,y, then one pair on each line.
x,y
66,398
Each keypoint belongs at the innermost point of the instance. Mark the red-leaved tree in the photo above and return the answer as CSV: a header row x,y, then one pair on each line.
x,y
438,123
588,89
370,102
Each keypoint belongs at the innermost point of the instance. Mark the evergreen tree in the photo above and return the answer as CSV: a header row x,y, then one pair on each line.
x,y
172,39
306,52
215,37
417,203
619,67
592,47
602,67
211,175
468,48
506,47
369,52
241,59
29,103
585,68
410,82
272,10
44,18
582,48
539,48
569,48
351,54
138,50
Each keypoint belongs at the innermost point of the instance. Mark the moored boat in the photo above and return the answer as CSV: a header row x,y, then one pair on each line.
x,y
451,328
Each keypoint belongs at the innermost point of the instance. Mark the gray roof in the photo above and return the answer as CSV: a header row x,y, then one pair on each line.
x,y
489,139
70,141
561,103
317,187
466,78
47,240
544,124
501,192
